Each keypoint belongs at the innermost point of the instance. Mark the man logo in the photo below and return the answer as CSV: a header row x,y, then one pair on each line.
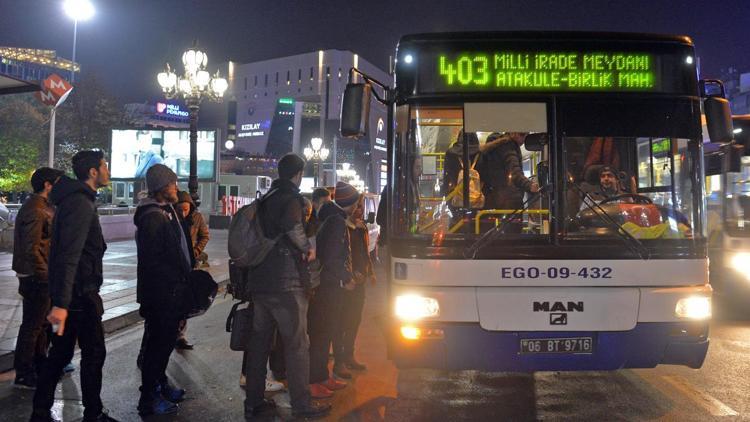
x,y
558,319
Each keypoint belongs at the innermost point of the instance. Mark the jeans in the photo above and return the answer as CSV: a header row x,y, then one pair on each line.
x,y
159,336
32,342
286,312
352,303
324,326
84,325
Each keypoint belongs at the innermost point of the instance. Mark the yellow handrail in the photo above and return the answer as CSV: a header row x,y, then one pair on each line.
x,y
482,213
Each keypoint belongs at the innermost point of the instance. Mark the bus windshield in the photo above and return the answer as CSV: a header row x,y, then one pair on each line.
x,y
467,170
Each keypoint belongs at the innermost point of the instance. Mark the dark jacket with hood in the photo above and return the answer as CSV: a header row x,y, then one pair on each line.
x,y
334,247
31,238
453,163
281,214
77,246
501,172
165,258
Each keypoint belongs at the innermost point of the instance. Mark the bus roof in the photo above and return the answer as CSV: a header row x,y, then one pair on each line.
x,y
541,35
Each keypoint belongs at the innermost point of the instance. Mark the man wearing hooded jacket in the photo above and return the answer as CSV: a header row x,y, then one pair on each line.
x,y
75,276
165,259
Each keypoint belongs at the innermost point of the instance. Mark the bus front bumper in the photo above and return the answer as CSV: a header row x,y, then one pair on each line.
x,y
462,346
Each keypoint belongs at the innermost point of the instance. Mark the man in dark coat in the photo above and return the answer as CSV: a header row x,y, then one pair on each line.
x,y
336,275
501,172
165,259
280,296
31,239
75,276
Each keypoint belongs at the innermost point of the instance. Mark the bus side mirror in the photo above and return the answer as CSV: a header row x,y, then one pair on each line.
x,y
355,110
371,218
718,119
535,141
542,172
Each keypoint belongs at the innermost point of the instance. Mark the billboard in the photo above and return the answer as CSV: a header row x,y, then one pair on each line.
x,y
134,151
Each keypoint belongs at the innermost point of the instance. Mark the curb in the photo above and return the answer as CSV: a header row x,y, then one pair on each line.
x,y
111,326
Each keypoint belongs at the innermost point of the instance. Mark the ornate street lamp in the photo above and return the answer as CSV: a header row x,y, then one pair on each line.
x,y
193,86
316,153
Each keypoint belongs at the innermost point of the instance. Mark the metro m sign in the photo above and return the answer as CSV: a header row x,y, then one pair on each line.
x,y
54,90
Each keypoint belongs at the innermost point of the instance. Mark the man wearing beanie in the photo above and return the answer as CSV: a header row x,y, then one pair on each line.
x,y
165,259
333,244
280,296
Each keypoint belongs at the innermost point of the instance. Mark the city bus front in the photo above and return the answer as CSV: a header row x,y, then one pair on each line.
x,y
545,203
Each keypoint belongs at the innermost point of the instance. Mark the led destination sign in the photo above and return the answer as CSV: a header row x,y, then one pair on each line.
x,y
543,71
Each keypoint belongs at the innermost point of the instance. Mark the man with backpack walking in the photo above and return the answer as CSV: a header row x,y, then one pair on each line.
x,y
279,295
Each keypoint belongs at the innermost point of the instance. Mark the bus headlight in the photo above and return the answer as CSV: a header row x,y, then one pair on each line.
x,y
415,307
740,262
694,307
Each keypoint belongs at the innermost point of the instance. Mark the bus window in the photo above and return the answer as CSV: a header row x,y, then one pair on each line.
x,y
501,172
641,183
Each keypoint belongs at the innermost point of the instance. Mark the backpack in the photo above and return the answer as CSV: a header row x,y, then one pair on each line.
x,y
247,245
476,197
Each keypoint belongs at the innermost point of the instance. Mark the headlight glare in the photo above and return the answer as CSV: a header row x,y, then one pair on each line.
x,y
693,307
415,307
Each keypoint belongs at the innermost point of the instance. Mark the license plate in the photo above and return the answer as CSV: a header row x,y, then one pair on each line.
x,y
557,345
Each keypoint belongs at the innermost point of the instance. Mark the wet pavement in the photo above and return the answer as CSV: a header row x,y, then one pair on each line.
x,y
718,391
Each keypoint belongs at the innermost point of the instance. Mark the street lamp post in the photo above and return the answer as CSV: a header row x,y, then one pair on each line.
x,y
316,152
193,86
78,10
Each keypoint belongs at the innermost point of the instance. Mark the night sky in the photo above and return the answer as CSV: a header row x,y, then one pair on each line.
x,y
128,41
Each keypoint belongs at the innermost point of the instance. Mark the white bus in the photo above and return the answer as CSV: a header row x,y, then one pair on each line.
x,y
545,283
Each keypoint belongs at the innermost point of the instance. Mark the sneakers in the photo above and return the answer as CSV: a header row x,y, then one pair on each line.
x,y
45,416
312,411
319,391
25,382
171,393
70,367
273,386
354,365
153,403
333,384
182,344
340,371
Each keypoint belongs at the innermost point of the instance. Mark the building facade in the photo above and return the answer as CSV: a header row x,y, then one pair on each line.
x,y
282,103
32,64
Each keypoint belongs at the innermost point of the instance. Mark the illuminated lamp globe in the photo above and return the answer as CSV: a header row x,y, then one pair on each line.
x,y
167,80
194,60
79,10
202,78
229,144
185,86
219,85
316,143
324,153
308,152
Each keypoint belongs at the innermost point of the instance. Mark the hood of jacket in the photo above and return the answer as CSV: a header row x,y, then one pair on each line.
x,y
143,206
66,187
330,209
495,144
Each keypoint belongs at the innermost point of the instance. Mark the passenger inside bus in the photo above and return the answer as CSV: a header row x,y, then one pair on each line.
x,y
453,162
501,172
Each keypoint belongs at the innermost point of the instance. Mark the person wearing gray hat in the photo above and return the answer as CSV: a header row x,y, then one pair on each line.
x,y
165,259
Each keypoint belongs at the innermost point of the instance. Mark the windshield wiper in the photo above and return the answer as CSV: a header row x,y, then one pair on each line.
x,y
485,239
631,242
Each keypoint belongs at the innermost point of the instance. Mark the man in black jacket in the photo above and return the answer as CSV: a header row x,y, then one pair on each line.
x,y
165,259
75,276
280,296
336,275
501,171
30,254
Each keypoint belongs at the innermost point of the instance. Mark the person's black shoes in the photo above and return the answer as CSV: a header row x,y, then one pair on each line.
x,y
263,407
313,411
355,366
171,393
152,403
182,344
25,382
47,416
340,371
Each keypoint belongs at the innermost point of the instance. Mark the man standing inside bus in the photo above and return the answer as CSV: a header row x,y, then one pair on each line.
x,y
501,171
